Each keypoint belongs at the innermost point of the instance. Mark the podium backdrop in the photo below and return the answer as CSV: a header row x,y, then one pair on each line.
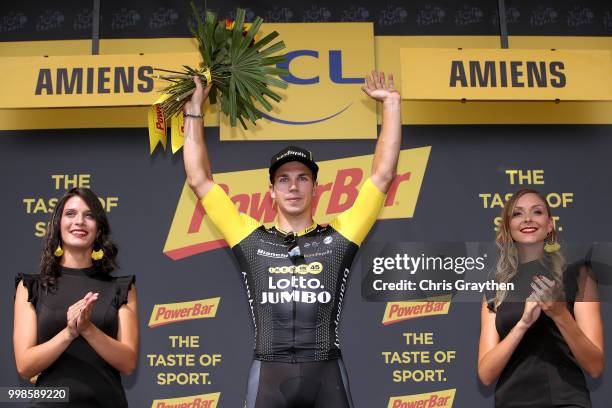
x,y
180,263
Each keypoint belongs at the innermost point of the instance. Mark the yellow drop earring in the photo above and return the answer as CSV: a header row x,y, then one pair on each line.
x,y
97,255
58,251
551,245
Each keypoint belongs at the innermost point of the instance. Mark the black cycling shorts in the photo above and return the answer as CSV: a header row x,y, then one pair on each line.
x,y
317,384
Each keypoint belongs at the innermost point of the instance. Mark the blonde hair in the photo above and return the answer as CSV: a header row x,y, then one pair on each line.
x,y
507,260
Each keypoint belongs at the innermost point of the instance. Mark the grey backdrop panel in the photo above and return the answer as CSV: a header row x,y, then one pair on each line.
x,y
464,161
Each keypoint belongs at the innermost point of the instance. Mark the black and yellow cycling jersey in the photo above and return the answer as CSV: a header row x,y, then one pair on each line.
x,y
295,308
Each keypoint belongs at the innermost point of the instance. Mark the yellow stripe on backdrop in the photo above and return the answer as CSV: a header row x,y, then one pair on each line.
x,y
387,58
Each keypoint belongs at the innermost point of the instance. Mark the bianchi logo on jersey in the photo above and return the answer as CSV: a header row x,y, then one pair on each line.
x,y
295,289
327,240
269,254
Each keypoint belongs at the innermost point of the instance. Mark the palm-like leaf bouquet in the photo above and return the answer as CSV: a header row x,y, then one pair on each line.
x,y
240,67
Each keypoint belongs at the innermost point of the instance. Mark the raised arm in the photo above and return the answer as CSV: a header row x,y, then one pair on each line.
x,y
220,209
195,153
384,166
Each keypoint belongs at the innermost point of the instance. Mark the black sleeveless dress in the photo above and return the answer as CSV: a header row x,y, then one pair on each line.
x,y
542,372
92,381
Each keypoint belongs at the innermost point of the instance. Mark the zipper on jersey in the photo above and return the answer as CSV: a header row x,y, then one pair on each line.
x,y
293,326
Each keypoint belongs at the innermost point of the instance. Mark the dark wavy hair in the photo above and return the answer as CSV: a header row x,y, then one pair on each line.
x,y
50,264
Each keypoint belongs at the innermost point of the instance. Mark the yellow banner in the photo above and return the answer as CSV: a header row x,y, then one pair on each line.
x,y
327,64
192,232
92,80
484,74
387,49
199,401
177,312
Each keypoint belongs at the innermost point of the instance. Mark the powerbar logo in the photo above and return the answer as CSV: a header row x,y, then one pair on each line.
x,y
178,312
194,401
159,118
339,181
429,400
400,311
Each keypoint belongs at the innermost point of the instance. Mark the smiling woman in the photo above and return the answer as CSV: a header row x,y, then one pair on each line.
x,y
536,341
75,325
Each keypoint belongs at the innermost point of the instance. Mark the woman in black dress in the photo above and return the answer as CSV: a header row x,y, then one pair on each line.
x,y
536,340
75,325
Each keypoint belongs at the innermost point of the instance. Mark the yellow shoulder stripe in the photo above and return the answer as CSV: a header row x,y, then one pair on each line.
x,y
355,223
233,225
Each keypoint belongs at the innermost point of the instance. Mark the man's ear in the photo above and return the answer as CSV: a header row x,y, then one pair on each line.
x,y
272,192
314,188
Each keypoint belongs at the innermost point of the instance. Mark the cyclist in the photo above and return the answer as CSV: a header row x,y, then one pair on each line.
x,y
295,272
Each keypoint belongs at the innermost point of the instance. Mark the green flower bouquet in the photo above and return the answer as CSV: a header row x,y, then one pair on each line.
x,y
240,67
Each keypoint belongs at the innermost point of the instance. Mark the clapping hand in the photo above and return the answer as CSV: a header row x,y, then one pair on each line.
x,y
549,296
83,321
71,318
531,312
79,313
